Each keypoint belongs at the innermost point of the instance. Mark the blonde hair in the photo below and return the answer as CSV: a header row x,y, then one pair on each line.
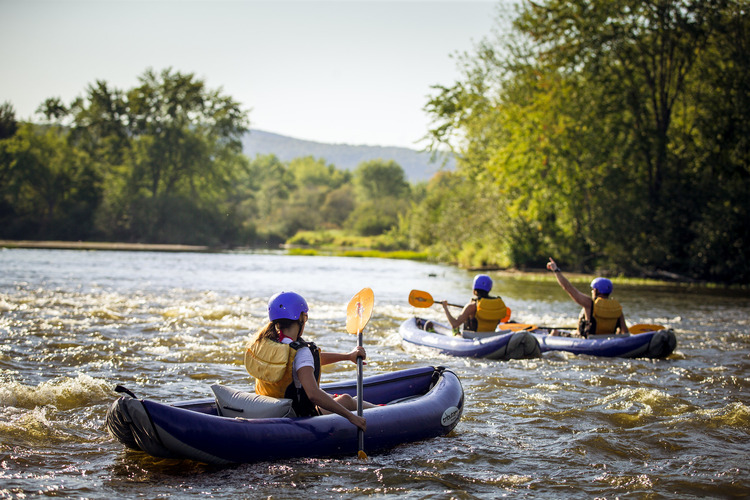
x,y
271,330
268,331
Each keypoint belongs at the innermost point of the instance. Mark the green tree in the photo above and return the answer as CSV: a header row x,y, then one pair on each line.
x,y
382,194
310,172
305,194
337,206
460,221
50,190
715,131
314,205
181,128
642,53
379,179
595,124
8,128
269,188
8,122
168,151
100,123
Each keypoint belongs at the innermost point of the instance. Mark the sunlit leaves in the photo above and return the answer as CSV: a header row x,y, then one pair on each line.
x,y
601,127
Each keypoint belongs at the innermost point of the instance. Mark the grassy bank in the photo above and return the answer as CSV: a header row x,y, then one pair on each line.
x,y
93,245
342,244
341,252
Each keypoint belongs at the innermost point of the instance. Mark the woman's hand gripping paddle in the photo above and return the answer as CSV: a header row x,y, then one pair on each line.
x,y
418,298
358,313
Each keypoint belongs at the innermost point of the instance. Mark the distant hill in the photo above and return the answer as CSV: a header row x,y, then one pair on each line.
x,y
417,165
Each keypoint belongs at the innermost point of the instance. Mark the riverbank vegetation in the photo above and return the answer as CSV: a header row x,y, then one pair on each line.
x,y
615,133
612,136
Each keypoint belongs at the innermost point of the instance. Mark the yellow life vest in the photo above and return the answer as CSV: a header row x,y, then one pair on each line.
x,y
271,364
607,314
490,311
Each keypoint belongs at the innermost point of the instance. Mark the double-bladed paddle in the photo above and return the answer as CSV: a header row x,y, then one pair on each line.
x,y
634,329
358,313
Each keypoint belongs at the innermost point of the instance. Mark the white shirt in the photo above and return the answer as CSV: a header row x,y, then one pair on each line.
x,y
303,358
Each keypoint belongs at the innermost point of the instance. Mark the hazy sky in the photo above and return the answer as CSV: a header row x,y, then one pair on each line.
x,y
354,71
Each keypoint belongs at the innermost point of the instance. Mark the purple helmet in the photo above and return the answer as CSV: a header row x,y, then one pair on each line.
x,y
482,282
286,305
602,285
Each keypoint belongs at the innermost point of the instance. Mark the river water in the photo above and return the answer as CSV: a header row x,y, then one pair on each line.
x,y
167,325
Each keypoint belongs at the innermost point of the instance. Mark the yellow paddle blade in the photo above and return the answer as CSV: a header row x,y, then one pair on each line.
x,y
643,328
362,455
418,298
359,310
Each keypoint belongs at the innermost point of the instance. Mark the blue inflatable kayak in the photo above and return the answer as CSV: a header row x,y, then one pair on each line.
x,y
653,344
501,345
419,403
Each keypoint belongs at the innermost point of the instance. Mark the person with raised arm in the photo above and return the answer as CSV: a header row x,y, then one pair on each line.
x,y
600,314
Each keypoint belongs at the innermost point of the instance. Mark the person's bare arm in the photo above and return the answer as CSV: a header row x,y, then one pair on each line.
x,y
623,325
468,311
326,358
322,399
578,297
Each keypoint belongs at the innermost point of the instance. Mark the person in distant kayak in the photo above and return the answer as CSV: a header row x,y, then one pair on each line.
x,y
600,314
286,366
483,313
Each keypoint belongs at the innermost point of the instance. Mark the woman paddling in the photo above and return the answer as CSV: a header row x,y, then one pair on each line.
x,y
483,313
286,366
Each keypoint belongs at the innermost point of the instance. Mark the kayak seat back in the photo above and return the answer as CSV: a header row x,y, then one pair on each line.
x,y
235,403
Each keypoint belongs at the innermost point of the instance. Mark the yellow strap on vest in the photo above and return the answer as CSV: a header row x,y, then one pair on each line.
x,y
490,312
276,389
267,360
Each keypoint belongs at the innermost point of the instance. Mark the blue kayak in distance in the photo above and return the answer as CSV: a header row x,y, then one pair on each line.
x,y
499,345
655,344
418,404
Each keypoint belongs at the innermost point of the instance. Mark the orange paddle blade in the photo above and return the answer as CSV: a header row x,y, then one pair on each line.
x,y
516,327
418,298
359,310
643,328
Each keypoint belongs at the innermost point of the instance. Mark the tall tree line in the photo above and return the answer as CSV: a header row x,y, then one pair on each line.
x,y
611,134
163,163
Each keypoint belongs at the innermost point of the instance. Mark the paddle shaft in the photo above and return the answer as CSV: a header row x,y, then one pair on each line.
x,y
358,313
360,390
431,302
419,298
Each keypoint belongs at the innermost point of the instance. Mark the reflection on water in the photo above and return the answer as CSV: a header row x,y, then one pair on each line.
x,y
75,323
